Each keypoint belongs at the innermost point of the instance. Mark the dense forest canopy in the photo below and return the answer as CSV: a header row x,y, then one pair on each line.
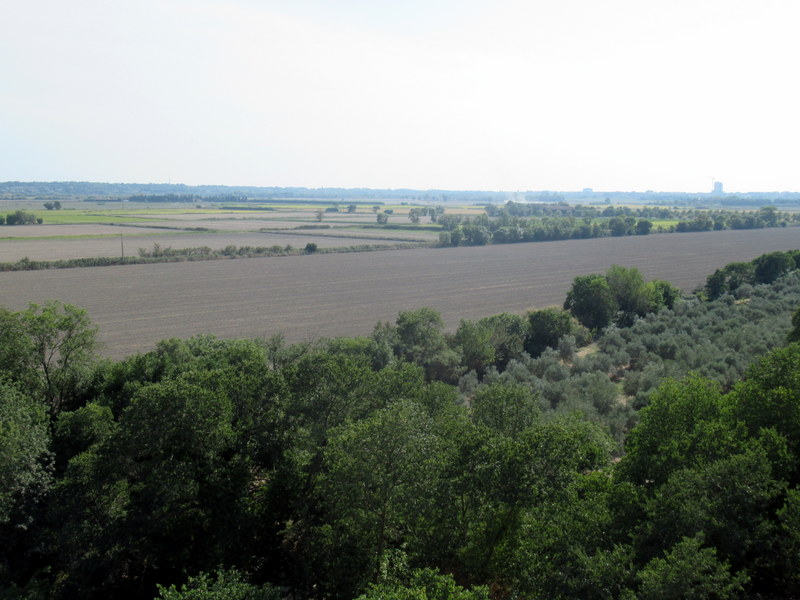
x,y
648,452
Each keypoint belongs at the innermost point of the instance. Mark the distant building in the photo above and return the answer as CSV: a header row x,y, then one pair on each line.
x,y
717,188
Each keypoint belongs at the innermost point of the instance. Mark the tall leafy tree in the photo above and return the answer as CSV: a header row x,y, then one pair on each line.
x,y
26,476
507,409
591,300
689,571
25,465
768,267
509,333
165,494
474,342
546,327
49,349
729,501
420,340
661,294
377,472
768,400
680,427
628,288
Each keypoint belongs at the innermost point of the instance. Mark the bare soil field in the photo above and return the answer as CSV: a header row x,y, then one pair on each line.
x,y
41,231
202,215
267,220
238,223
399,216
299,215
307,297
65,248
417,235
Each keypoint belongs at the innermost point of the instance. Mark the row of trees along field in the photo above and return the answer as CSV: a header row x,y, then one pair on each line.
x,y
20,217
525,222
499,461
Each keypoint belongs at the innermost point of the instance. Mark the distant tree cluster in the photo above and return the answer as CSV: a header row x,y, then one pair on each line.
x,y
692,219
764,269
522,222
434,212
231,251
20,217
190,198
55,205
619,296
163,198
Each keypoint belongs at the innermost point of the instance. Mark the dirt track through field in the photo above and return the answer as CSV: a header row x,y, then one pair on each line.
x,y
307,297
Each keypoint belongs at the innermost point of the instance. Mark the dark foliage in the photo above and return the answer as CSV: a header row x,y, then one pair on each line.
x,y
548,221
357,468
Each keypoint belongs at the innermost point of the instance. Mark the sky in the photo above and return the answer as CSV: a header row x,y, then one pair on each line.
x,y
614,95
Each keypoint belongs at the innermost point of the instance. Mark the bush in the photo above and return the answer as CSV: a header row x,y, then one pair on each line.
x,y
546,328
20,217
567,347
689,570
222,585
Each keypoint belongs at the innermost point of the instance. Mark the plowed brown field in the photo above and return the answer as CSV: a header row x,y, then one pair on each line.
x,y
268,220
45,231
60,249
307,297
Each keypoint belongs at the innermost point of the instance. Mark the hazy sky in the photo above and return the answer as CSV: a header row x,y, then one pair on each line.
x,y
453,94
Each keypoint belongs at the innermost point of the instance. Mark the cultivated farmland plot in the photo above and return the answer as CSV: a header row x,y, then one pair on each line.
x,y
306,297
65,247
249,222
289,216
83,229
237,223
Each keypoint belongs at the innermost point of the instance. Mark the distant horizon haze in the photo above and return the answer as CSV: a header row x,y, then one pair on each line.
x,y
580,191
619,95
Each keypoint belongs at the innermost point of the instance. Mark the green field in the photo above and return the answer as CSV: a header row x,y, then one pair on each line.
x,y
664,223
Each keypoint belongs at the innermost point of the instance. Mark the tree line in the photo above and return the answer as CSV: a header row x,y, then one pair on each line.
x,y
523,222
764,269
162,254
190,198
20,217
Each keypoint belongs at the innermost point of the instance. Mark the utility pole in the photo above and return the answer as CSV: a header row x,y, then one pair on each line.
x,y
121,247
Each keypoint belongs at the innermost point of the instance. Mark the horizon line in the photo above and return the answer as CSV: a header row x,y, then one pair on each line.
x,y
586,190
